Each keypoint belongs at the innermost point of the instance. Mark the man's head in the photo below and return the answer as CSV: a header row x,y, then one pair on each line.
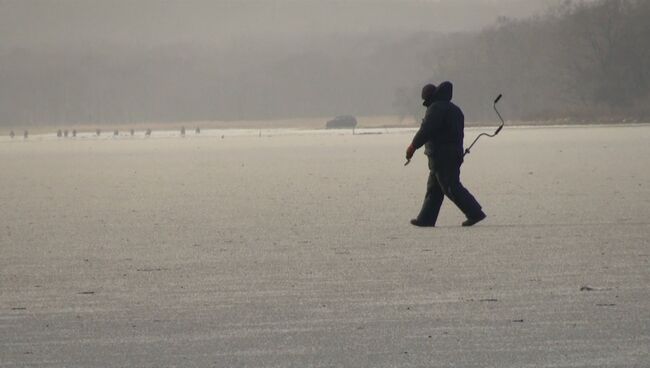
x,y
428,94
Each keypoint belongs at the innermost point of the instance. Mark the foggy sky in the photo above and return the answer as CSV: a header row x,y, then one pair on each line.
x,y
111,60
77,22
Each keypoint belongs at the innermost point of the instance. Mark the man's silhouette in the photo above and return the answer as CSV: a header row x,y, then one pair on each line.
x,y
442,135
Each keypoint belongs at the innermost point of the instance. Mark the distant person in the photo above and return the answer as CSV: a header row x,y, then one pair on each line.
x,y
148,132
183,131
197,130
65,133
25,134
116,133
98,132
12,134
74,133
132,132
59,133
442,135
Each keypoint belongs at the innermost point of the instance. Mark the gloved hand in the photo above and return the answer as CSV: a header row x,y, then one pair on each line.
x,y
409,152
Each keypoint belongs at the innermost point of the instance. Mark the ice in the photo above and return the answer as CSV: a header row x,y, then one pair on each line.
x,y
295,250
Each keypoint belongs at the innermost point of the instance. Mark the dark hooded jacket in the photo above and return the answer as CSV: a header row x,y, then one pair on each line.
x,y
441,131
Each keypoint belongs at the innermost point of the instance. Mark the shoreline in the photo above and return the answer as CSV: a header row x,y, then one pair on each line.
x,y
305,125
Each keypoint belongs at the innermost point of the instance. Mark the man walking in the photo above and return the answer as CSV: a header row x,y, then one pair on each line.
x,y
442,135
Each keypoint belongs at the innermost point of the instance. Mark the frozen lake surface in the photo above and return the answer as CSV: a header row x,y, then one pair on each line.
x,y
295,250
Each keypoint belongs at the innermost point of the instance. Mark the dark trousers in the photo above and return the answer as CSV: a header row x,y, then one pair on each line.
x,y
444,180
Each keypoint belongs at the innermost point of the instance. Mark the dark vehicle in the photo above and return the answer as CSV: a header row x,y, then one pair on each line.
x,y
340,122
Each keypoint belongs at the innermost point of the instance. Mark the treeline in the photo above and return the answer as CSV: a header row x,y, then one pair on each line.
x,y
184,82
581,61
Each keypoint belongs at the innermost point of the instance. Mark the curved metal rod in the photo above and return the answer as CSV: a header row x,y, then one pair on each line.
x,y
494,106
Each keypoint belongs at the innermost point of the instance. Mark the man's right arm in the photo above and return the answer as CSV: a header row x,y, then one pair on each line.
x,y
430,124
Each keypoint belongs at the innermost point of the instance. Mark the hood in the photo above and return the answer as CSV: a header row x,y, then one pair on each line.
x,y
444,92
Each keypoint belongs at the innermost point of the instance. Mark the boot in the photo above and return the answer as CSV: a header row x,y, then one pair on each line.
x,y
418,223
472,221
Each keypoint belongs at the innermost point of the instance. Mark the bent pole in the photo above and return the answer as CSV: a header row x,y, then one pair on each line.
x,y
494,106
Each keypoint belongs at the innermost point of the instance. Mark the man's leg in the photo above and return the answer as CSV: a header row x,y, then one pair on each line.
x,y
449,179
432,200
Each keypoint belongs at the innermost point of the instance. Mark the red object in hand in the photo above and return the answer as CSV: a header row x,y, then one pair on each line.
x,y
409,152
